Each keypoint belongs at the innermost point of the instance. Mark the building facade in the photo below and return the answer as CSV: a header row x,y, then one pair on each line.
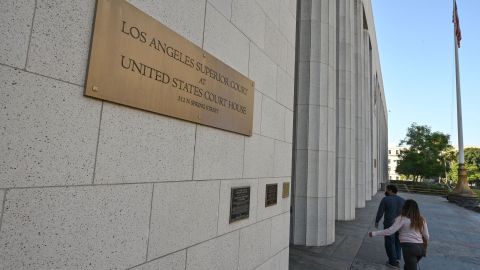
x,y
340,130
89,184
393,158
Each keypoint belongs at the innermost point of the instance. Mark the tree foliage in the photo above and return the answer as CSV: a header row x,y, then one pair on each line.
x,y
472,165
472,155
426,155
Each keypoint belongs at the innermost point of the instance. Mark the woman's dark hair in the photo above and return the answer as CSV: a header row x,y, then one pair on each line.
x,y
410,210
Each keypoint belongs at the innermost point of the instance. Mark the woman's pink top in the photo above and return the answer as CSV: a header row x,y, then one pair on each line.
x,y
406,233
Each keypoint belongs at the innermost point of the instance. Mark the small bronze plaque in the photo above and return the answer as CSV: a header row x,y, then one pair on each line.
x,y
139,62
271,194
239,203
286,190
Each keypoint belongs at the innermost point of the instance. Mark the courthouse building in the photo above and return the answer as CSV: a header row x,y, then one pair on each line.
x,y
184,134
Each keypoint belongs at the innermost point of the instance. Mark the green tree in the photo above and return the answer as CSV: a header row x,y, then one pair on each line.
x,y
453,174
449,157
472,156
472,165
425,155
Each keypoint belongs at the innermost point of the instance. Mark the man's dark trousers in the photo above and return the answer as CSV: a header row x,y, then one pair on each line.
x,y
392,247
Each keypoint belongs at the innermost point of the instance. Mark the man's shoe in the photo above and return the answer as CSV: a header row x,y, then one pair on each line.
x,y
394,266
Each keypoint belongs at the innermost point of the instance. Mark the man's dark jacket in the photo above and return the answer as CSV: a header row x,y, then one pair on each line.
x,y
390,207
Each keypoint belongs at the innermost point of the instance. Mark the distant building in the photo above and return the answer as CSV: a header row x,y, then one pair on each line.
x,y
393,158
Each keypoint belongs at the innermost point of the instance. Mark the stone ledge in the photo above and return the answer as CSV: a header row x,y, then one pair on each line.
x,y
472,203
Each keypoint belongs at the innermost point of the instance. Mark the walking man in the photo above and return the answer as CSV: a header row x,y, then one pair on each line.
x,y
390,208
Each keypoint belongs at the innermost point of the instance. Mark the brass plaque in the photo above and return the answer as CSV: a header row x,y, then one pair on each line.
x,y
137,61
239,203
286,190
271,194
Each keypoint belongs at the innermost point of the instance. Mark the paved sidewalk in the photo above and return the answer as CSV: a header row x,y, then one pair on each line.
x,y
455,240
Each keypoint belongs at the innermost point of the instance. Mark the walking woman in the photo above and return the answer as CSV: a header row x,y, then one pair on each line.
x,y
413,232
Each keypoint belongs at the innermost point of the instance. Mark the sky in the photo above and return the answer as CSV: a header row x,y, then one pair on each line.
x,y
415,41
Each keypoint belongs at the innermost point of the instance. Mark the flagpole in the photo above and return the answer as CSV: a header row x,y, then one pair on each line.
x,y
462,187
461,154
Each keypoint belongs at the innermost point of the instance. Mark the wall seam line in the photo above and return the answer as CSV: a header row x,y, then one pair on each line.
x,y
150,222
261,114
218,205
231,12
243,165
270,246
275,99
31,34
262,48
204,23
210,239
4,199
238,251
248,72
41,75
98,142
143,183
278,27
275,149
248,62
194,148
218,10
186,257
154,259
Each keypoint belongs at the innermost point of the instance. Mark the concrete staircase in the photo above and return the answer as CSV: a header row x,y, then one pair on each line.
x,y
412,187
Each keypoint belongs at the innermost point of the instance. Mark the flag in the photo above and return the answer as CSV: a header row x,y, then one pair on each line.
x,y
456,24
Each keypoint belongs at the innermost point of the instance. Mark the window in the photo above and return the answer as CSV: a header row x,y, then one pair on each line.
x,y
390,177
397,177
388,161
396,152
389,152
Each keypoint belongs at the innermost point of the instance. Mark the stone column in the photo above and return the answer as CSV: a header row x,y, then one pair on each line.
x,y
367,115
370,121
375,138
353,111
345,183
384,136
381,132
313,217
359,125
380,139
385,145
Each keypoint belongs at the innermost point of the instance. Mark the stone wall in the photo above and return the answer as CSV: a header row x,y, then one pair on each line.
x,y
86,184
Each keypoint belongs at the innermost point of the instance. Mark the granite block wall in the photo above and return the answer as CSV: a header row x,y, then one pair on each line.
x,y
86,184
